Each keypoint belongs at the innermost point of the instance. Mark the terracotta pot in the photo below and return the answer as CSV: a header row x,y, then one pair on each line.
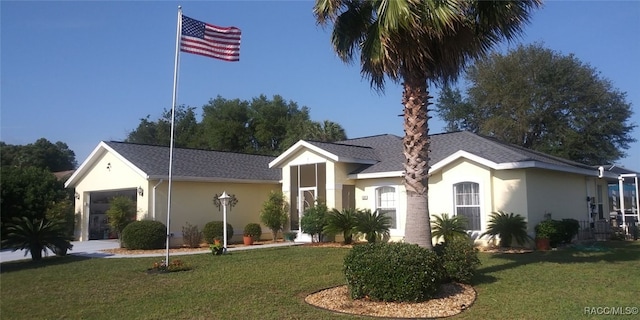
x,y
248,240
543,244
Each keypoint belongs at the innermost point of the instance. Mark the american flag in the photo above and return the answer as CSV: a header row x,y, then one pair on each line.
x,y
210,41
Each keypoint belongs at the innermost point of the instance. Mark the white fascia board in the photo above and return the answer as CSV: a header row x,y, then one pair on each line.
x,y
462,154
86,164
93,158
546,166
127,162
211,179
511,165
375,175
297,147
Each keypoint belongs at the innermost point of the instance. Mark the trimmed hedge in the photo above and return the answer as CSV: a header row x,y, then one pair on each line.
x,y
215,229
459,260
144,235
392,272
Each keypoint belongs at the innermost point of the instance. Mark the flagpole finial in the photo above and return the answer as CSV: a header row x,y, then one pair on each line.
x,y
179,7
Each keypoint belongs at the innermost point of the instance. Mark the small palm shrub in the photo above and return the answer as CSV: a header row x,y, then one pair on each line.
x,y
448,228
459,260
374,225
191,236
508,227
342,222
215,230
35,235
392,272
144,235
253,230
314,220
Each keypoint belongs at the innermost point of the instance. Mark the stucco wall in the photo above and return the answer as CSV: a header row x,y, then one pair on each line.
x,y
109,173
366,199
563,195
192,202
462,170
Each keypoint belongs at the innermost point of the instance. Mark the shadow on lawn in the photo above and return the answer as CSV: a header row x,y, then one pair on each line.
x,y
611,251
20,265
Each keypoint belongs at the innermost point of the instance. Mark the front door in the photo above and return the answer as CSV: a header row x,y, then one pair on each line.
x,y
306,200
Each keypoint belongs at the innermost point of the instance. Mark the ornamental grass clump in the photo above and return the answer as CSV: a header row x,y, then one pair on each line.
x,y
392,272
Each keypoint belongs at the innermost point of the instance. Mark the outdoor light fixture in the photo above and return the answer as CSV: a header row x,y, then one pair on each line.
x,y
140,191
224,200
109,166
77,195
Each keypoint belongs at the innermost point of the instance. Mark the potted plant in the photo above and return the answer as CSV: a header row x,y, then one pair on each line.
x,y
252,232
544,231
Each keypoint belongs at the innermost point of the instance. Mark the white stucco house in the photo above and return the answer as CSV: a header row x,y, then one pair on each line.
x,y
470,175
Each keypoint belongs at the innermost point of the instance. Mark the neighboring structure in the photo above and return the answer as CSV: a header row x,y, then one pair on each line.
x,y
470,175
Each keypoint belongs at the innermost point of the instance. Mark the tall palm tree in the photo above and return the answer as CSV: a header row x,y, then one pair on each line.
x,y
415,42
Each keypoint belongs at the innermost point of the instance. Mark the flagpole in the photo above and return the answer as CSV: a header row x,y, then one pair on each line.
x,y
173,115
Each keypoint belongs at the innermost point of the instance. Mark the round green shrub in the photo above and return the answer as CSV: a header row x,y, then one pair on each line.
x,y
144,235
459,260
253,230
215,229
392,272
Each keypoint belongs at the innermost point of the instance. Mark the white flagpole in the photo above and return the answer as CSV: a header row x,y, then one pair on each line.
x,y
173,115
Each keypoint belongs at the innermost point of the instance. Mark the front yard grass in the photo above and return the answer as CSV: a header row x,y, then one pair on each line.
x,y
272,284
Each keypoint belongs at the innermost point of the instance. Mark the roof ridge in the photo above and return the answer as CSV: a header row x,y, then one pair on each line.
x,y
338,143
372,136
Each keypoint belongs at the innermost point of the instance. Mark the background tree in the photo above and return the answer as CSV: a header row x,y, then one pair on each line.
x,y
415,42
259,126
187,133
29,192
274,213
41,154
326,131
543,100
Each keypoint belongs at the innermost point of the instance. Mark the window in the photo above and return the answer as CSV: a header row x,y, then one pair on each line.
x,y
467,203
386,203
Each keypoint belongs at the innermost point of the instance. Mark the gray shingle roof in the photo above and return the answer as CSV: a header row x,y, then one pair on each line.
x,y
195,163
388,149
353,152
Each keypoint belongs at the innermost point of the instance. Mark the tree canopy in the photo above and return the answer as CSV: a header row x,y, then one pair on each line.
x,y
543,100
259,126
41,154
415,42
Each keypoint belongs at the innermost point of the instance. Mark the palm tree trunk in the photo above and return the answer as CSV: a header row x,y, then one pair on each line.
x,y
415,99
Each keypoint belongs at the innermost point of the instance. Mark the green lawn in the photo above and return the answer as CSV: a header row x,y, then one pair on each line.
x,y
272,284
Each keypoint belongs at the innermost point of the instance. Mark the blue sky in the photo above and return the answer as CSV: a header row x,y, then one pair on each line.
x,y
82,72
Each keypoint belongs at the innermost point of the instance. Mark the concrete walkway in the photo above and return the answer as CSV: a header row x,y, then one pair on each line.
x,y
93,249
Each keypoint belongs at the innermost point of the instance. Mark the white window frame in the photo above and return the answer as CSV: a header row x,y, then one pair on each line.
x,y
394,191
478,205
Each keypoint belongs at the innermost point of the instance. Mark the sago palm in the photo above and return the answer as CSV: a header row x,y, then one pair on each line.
x,y
508,227
36,235
342,222
375,225
449,228
416,42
